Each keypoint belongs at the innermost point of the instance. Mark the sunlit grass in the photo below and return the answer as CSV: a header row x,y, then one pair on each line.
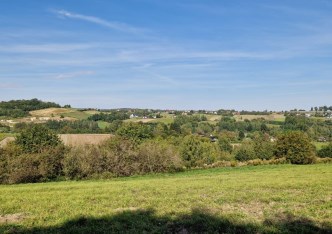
x,y
251,194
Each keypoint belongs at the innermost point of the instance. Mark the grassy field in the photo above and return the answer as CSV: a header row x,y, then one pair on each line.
x,y
103,124
262,199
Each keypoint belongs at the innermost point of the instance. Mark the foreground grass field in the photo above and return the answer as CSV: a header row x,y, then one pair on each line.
x,y
262,199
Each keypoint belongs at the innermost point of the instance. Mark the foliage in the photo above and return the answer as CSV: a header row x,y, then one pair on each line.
x,y
158,156
135,131
296,123
296,147
73,127
121,157
263,147
196,151
204,128
4,128
21,108
110,117
17,167
225,144
245,152
325,151
36,138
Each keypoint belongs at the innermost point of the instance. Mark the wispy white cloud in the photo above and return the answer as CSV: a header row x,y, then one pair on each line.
x,y
45,48
71,75
119,26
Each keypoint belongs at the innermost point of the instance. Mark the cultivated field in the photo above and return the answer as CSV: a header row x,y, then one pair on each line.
x,y
271,117
49,112
69,139
82,139
262,199
66,112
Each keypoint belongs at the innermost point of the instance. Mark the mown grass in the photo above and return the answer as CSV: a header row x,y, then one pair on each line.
x,y
262,199
103,124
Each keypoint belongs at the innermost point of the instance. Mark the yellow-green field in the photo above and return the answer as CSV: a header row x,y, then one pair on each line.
x,y
262,199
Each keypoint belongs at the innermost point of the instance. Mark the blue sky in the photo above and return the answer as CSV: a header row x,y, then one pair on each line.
x,y
175,54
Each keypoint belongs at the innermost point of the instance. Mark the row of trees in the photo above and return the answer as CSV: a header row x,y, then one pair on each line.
x,y
21,108
110,117
39,155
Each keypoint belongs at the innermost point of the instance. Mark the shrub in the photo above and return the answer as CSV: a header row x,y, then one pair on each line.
x,y
263,147
296,147
24,169
225,144
35,138
245,152
84,161
121,157
34,167
326,151
51,162
196,151
157,156
135,131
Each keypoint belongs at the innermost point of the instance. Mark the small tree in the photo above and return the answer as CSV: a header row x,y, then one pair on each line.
x,y
326,151
196,151
296,147
225,144
36,138
245,152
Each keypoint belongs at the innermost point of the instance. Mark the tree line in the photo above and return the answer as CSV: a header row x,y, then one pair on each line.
x,y
38,155
21,108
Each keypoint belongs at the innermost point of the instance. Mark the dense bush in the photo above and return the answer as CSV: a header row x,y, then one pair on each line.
x,y
326,151
36,155
196,151
245,152
110,117
296,147
135,131
19,167
263,147
225,144
35,138
158,156
73,127
121,157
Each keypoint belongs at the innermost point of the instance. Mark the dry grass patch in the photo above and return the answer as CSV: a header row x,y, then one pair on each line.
x,y
271,117
12,218
49,111
84,139
5,141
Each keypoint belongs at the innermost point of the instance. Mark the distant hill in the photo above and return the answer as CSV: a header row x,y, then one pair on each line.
x,y
21,108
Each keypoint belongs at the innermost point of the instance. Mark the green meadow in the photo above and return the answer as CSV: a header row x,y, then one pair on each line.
x,y
261,199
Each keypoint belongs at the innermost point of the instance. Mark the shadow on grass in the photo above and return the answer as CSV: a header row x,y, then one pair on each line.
x,y
199,221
